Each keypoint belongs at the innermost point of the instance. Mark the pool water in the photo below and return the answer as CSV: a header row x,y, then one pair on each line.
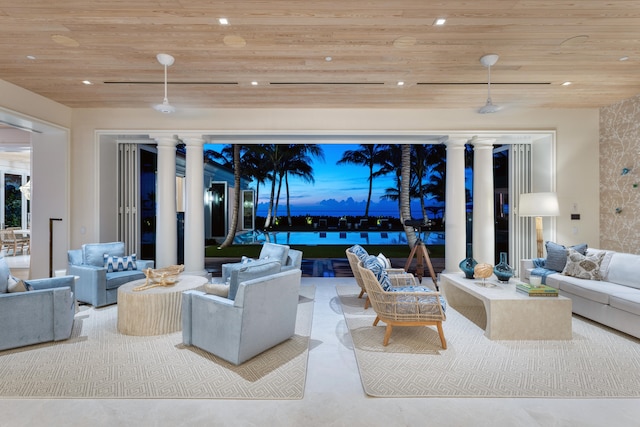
x,y
336,237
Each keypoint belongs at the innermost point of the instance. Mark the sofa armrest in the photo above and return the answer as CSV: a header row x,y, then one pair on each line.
x,y
526,265
53,282
143,264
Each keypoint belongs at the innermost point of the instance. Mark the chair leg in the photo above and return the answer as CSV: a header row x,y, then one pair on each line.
x,y
361,293
441,333
375,322
366,303
387,335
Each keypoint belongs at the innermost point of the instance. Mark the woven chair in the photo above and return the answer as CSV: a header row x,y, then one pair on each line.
x,y
401,307
353,263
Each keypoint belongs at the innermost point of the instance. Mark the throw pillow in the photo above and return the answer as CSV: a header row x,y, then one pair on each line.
x,y
371,262
219,289
384,260
359,251
116,263
557,255
16,285
583,266
247,260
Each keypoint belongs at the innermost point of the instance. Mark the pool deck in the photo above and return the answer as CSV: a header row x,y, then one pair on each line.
x,y
321,267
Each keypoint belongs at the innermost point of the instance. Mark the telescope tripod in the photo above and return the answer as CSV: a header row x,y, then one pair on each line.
x,y
421,253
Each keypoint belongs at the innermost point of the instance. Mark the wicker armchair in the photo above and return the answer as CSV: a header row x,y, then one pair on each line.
x,y
353,259
404,305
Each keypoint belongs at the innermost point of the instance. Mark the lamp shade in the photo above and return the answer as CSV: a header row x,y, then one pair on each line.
x,y
538,204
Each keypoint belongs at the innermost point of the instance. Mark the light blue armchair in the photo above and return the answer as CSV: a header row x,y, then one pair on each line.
x,y
262,315
96,285
44,313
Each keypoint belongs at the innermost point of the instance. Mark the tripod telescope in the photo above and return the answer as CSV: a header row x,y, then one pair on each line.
x,y
421,253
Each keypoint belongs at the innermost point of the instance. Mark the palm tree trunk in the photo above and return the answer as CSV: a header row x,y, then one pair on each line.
x,y
366,210
405,200
286,183
231,234
267,221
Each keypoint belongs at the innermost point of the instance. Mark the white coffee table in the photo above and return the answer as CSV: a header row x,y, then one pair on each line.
x,y
153,311
511,315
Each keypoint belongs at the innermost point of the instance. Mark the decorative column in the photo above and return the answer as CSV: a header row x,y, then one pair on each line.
x,y
455,226
483,201
166,219
194,206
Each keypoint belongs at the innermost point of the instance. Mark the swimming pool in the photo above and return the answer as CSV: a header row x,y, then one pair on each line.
x,y
335,237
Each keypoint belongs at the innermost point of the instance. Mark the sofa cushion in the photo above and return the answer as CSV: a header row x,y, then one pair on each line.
x,y
593,290
275,252
624,269
626,301
583,266
253,270
557,255
4,276
118,278
94,252
116,263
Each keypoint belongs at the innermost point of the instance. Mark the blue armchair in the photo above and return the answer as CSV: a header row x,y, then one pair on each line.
x,y
96,285
262,315
43,313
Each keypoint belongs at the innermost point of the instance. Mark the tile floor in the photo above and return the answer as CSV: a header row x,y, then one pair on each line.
x,y
333,397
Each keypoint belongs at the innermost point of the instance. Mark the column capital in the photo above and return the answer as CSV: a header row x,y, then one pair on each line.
x,y
192,139
164,139
456,142
482,142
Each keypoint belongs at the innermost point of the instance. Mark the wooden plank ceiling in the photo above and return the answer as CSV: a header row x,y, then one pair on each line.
x,y
50,47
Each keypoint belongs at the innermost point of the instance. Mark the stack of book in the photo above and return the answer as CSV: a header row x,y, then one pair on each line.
x,y
537,291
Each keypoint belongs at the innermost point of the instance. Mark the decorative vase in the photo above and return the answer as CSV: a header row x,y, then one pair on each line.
x,y
467,264
502,270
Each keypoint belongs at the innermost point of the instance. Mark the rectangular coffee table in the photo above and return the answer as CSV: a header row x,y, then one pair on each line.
x,y
511,315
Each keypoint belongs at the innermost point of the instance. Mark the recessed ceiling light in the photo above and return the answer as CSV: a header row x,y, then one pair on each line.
x,y
400,83
566,83
623,58
86,82
328,58
223,21
31,57
254,83
439,21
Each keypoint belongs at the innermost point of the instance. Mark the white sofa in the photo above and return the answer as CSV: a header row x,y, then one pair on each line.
x,y
613,301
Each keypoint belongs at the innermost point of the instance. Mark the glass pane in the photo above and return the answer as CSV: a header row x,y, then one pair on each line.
x,y
12,200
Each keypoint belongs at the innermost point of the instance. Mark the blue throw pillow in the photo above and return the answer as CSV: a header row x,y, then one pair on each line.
x,y
372,263
557,255
116,263
359,251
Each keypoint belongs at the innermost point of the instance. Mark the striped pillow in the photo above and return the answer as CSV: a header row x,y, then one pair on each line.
x,y
372,262
116,263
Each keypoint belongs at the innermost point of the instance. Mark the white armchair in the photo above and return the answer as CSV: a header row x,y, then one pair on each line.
x,y
262,315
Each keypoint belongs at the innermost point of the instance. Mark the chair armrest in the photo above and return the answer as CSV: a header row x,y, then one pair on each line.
x,y
402,280
395,270
92,283
52,282
143,264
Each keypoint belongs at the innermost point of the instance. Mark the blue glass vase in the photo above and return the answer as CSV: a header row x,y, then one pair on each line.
x,y
502,270
467,264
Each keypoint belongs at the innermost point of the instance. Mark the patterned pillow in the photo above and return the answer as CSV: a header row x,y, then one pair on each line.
x,y
557,255
371,262
247,260
384,260
583,266
116,263
16,285
359,251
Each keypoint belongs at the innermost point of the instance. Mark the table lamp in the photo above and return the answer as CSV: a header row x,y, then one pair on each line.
x,y
538,205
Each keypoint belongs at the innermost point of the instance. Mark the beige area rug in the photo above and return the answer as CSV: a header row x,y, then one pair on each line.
x,y
99,362
597,362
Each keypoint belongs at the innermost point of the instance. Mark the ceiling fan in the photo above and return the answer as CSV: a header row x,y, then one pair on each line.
x,y
166,60
488,61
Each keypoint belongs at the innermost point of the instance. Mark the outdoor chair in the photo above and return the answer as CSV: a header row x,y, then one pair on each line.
x,y
402,306
11,243
357,253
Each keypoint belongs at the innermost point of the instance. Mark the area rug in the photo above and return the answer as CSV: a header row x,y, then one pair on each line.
x,y
597,362
99,362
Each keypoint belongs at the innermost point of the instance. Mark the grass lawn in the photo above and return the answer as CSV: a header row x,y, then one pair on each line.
x,y
322,251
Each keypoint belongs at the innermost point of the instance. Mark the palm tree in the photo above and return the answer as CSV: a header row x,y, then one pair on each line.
x,y
231,233
273,155
405,198
368,155
297,162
